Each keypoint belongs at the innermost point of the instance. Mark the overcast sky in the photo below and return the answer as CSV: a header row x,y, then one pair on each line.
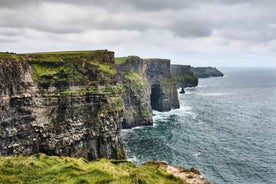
x,y
197,32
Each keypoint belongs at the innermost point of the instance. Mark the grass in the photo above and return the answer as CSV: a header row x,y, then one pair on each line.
x,y
91,68
44,70
107,90
39,169
120,60
9,55
106,68
145,111
65,56
187,79
47,72
134,77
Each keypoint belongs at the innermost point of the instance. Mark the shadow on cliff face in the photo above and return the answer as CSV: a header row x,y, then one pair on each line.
x,y
156,97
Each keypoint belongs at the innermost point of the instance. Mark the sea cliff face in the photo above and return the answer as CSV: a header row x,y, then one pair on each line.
x,y
148,85
204,72
66,104
184,76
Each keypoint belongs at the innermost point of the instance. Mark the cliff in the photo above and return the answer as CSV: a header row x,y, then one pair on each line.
x,y
204,72
184,76
51,169
148,85
60,103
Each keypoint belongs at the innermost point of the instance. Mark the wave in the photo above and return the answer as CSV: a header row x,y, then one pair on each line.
x,y
196,154
215,94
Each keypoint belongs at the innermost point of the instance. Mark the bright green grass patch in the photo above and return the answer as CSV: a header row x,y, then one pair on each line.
x,y
103,67
39,169
7,55
136,82
134,77
65,56
68,52
43,70
120,60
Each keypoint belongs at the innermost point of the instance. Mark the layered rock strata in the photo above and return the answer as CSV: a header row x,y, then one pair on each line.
x,y
184,76
62,103
148,85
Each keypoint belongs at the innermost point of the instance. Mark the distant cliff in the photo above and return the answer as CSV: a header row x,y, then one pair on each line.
x,y
184,76
61,103
148,85
204,72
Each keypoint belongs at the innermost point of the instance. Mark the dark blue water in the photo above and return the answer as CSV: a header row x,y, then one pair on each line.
x,y
226,127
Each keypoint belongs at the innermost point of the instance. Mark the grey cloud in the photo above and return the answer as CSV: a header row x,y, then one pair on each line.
x,y
180,22
137,4
11,32
225,20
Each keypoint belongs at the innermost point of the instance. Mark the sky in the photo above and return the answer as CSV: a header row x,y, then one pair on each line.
x,y
221,33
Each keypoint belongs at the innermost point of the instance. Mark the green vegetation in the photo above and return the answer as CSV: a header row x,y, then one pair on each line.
x,y
204,72
80,91
135,81
145,111
187,80
51,169
45,72
107,90
134,77
10,55
65,56
132,81
111,90
120,60
103,67
87,68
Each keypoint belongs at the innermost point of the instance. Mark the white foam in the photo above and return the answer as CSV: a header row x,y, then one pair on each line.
x,y
196,154
215,94
184,110
133,159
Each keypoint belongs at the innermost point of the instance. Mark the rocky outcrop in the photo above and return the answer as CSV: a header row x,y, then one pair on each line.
x,y
148,85
191,176
204,72
66,104
184,76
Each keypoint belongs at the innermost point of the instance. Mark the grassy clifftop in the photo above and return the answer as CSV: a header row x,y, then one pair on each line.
x,y
89,69
45,169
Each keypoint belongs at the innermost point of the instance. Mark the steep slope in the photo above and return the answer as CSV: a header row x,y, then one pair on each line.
x,y
147,85
204,72
61,103
184,76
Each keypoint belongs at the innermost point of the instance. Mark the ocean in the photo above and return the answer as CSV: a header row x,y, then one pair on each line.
x,y
225,127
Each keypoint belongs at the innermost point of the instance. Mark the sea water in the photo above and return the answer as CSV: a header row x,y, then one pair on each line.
x,y
225,127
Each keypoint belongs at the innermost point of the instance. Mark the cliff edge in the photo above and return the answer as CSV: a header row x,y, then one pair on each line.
x,y
148,85
184,76
61,103
205,72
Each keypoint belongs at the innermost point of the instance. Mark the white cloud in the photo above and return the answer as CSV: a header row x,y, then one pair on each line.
x,y
174,29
